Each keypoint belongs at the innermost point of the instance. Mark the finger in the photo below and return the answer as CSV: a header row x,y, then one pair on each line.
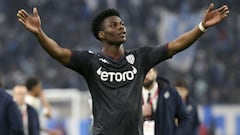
x,y
226,9
211,7
222,9
24,12
35,11
21,15
226,12
21,21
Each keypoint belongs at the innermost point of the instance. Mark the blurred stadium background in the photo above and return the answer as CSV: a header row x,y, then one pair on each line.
x,y
211,66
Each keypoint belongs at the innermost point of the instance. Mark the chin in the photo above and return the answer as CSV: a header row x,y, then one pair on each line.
x,y
147,83
123,41
120,42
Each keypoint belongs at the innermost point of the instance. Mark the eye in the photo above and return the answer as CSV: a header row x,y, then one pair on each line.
x,y
113,24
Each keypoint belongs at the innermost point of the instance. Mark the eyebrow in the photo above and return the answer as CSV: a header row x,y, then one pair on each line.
x,y
114,21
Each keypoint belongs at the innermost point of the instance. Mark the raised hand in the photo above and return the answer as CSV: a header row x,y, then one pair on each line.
x,y
213,17
30,22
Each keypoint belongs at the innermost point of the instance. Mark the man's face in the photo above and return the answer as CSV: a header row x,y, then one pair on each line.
x,y
150,77
38,90
19,93
114,31
183,92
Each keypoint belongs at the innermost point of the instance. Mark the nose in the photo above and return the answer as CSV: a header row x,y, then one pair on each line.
x,y
121,26
147,77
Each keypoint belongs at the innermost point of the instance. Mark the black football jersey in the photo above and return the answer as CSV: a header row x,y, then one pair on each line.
x,y
116,87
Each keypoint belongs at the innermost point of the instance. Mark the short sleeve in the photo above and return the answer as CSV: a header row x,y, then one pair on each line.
x,y
79,61
151,56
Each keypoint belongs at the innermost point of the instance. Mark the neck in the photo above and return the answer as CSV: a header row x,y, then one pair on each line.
x,y
113,51
184,98
32,94
21,104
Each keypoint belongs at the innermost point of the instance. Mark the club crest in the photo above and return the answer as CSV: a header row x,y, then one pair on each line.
x,y
166,95
130,58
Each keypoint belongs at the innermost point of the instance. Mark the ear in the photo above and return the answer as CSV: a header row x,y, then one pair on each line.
x,y
101,35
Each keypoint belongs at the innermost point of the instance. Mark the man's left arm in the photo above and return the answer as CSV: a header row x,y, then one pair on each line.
x,y
211,18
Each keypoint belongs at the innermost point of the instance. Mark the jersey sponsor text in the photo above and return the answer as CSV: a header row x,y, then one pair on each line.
x,y
117,76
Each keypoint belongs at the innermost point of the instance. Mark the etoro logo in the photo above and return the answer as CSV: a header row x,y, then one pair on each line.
x,y
117,76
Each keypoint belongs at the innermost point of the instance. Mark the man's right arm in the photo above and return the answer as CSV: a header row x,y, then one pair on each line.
x,y
62,55
33,24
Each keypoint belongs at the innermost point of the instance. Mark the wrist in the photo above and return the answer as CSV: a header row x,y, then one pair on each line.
x,y
38,32
201,27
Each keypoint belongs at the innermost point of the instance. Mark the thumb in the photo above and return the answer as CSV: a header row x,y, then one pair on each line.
x,y
211,7
35,11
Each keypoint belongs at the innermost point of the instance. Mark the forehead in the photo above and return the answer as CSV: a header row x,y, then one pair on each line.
x,y
111,19
152,71
20,89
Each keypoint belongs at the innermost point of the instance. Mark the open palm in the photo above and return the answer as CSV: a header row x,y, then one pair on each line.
x,y
213,17
31,22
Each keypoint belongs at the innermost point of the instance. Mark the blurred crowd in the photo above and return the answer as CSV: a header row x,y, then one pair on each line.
x,y
210,66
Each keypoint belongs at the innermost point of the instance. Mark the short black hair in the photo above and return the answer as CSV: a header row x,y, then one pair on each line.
x,y
31,82
97,21
180,82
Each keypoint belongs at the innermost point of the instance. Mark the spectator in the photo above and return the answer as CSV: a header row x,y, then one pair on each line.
x,y
30,118
162,105
36,99
10,116
191,105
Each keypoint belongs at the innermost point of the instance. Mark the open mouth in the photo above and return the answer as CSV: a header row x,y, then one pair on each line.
x,y
122,34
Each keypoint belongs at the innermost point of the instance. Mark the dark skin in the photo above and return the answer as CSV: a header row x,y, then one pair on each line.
x,y
113,36
112,26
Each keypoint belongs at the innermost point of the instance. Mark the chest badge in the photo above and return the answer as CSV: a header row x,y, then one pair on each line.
x,y
130,58
166,95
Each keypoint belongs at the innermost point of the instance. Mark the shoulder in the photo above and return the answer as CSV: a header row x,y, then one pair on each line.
x,y
31,109
33,101
191,101
150,47
142,49
30,100
165,85
5,97
139,49
83,52
79,55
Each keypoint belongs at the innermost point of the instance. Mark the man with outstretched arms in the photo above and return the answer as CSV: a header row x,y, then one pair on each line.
x,y
114,75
